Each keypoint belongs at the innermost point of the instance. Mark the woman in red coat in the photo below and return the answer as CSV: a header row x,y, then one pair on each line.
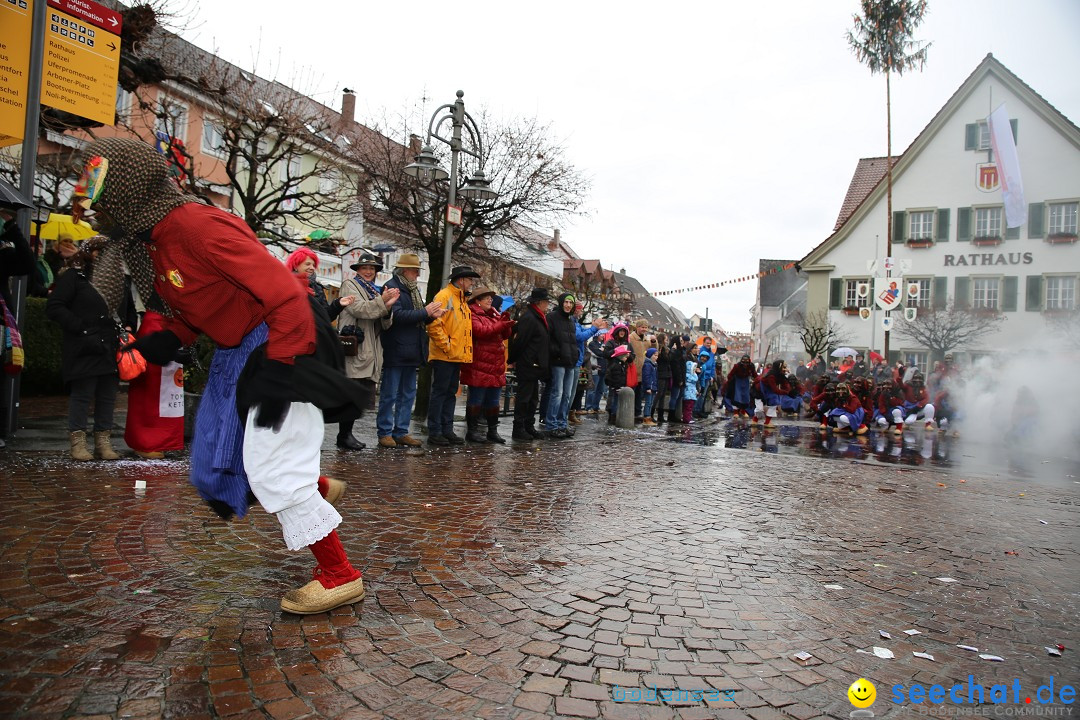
x,y
486,374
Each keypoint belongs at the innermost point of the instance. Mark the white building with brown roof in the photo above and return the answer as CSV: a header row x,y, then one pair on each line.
x,y
949,225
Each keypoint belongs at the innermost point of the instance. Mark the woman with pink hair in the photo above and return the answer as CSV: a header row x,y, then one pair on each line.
x,y
304,262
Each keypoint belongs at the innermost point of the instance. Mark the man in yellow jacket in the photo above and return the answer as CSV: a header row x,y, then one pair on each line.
x,y
450,345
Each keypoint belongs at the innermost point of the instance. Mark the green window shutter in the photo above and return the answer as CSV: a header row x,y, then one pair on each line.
x,y
1008,294
940,294
963,224
898,226
1034,293
1014,123
1035,220
836,293
1012,233
962,292
943,225
1034,301
971,136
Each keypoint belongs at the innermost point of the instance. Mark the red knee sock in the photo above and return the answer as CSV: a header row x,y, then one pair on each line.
x,y
324,485
334,568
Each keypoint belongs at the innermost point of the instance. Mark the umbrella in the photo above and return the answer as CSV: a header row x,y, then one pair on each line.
x,y
58,225
844,352
875,357
319,234
11,198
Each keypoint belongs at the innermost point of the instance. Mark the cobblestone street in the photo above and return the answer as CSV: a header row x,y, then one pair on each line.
x,y
537,580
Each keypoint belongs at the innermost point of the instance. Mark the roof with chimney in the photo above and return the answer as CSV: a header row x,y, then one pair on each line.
x,y
655,312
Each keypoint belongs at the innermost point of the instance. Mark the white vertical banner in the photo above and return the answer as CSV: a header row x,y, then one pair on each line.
x,y
1012,185
171,393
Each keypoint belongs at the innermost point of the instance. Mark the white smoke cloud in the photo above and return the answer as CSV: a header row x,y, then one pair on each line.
x,y
1038,438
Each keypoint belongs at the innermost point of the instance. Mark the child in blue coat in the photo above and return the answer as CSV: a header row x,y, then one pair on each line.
x,y
649,384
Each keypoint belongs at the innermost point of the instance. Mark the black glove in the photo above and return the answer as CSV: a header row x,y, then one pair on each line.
x,y
184,355
272,391
158,347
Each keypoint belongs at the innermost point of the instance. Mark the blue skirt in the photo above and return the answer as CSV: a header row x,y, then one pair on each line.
x,y
855,419
786,403
217,444
741,393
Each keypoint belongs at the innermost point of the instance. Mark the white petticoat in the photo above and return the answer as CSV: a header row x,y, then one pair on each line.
x,y
283,470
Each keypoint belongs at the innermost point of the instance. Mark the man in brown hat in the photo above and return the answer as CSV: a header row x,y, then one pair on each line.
x,y
450,347
405,349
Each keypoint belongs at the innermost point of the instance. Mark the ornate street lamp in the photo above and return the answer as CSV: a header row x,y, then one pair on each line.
x,y
426,167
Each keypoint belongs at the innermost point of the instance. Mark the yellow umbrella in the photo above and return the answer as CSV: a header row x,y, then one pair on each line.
x,y
61,225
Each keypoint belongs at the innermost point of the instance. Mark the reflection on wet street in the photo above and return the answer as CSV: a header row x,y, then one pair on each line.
x,y
914,448
755,568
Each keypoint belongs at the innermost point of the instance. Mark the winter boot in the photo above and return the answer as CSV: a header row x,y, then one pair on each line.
x,y
79,451
574,419
493,427
103,449
472,423
519,431
659,417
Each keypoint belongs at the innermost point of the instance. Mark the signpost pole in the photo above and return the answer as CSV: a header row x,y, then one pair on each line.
x,y
26,185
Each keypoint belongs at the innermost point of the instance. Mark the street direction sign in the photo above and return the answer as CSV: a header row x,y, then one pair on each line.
x,y
82,59
16,24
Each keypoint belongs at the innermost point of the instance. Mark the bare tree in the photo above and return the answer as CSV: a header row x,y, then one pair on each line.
x,y
943,330
54,180
1067,327
819,332
282,153
536,183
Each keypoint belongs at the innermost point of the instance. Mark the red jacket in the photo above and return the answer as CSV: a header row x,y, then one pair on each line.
x,y
867,404
779,386
220,280
488,367
852,403
920,398
886,401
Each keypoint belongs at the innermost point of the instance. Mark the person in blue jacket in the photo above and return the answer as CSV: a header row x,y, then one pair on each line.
x,y
649,384
707,363
596,350
404,346
583,333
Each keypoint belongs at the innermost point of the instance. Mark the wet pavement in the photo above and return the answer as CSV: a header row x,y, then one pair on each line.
x,y
545,579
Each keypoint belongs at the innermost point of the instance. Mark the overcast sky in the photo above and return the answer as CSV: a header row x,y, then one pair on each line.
x,y
715,134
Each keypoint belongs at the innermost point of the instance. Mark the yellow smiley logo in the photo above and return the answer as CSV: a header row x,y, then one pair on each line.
x,y
862,693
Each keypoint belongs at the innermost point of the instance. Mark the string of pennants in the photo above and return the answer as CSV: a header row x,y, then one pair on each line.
x,y
744,278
